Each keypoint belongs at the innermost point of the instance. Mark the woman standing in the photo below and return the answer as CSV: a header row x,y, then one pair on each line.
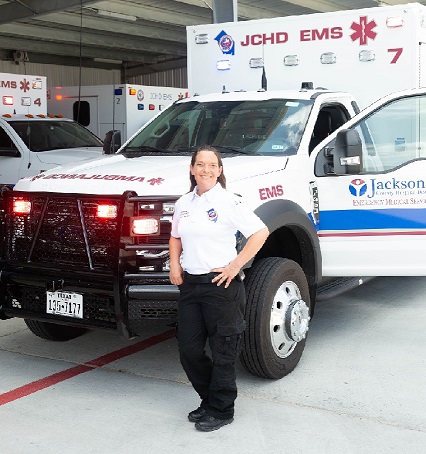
x,y
212,297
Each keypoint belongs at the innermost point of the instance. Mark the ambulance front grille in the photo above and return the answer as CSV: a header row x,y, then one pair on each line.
x,y
63,232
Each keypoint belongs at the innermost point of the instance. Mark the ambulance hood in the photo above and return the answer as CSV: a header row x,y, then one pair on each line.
x,y
146,175
63,156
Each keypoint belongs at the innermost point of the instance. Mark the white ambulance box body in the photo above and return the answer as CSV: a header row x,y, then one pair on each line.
x,y
103,108
22,94
369,52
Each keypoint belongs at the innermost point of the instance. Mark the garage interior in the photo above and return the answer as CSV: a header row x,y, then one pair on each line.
x,y
125,41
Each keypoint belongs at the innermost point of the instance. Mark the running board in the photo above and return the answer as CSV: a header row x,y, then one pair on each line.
x,y
337,286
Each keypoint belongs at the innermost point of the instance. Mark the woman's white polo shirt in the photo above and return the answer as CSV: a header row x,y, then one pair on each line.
x,y
207,226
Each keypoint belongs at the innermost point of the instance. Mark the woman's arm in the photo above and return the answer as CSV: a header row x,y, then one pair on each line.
x,y
251,248
176,271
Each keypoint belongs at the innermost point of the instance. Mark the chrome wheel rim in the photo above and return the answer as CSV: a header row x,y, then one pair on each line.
x,y
289,322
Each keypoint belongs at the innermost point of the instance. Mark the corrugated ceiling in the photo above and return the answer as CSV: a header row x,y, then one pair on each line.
x,y
140,36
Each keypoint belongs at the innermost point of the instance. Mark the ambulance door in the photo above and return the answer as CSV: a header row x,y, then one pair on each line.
x,y
372,198
85,112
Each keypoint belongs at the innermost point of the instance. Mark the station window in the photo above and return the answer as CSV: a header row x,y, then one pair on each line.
x,y
81,112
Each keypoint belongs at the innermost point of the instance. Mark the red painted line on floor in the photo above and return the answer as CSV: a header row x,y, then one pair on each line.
x,y
51,380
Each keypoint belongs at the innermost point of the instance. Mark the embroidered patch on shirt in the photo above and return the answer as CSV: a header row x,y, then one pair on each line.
x,y
212,215
184,214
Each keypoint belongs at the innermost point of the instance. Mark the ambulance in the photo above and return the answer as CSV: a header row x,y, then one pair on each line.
x,y
342,192
30,140
101,108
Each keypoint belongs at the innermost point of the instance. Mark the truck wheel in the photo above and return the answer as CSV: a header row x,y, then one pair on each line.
x,y
277,316
52,331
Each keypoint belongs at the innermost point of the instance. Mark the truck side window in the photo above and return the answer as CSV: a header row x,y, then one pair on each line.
x,y
394,134
329,119
6,142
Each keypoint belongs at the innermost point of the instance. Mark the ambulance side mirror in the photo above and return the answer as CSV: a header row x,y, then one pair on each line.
x,y
347,153
112,142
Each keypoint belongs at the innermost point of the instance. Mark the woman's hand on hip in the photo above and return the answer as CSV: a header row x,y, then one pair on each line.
x,y
225,275
176,275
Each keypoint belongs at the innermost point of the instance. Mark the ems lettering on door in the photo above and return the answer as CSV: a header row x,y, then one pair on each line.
x,y
269,193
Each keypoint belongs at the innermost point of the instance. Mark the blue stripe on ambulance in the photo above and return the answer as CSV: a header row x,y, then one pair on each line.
x,y
395,218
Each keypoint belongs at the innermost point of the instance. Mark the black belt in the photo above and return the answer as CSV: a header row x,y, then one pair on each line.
x,y
199,278
207,278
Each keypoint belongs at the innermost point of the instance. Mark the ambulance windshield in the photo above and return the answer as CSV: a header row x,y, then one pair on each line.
x,y
266,127
45,135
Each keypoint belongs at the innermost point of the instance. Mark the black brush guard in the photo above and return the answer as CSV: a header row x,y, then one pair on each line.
x,y
63,245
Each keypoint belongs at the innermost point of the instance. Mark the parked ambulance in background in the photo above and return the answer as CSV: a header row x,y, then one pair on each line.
x,y
31,141
102,108
87,244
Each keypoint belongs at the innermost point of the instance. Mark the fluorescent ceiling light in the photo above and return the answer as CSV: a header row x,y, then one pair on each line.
x,y
108,60
117,15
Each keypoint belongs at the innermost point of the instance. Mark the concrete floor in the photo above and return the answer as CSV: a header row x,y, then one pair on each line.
x,y
359,388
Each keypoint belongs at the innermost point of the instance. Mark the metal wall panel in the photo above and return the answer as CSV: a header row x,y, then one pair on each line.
x,y
63,75
172,78
69,75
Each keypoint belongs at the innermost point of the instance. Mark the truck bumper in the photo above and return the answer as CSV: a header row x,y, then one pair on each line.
x,y
121,305
150,301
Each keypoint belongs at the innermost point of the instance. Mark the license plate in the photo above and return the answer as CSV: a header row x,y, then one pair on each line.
x,y
66,304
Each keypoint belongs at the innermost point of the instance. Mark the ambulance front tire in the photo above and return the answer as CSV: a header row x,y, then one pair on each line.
x,y
277,316
52,331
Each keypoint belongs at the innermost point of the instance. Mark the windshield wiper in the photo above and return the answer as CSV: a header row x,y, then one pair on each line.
x,y
230,149
187,150
143,148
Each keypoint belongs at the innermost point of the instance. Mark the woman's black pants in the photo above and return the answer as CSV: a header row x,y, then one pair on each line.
x,y
207,311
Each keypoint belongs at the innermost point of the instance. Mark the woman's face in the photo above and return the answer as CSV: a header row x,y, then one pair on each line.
x,y
206,170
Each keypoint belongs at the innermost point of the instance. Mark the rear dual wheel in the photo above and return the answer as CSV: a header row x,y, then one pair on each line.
x,y
277,316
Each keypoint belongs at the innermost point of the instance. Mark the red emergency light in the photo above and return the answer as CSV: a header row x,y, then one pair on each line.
x,y
105,211
151,107
21,206
8,100
394,22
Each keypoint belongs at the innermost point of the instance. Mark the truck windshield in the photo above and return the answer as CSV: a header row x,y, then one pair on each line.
x,y
265,127
45,135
